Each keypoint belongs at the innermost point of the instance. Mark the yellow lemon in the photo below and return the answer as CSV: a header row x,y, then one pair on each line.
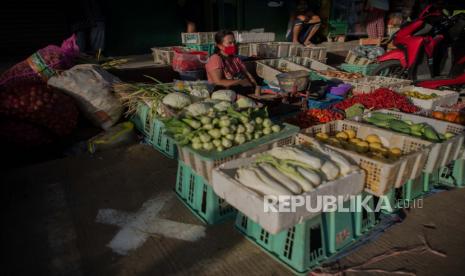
x,y
342,135
384,151
322,136
333,141
373,138
351,133
362,146
355,140
396,151
375,146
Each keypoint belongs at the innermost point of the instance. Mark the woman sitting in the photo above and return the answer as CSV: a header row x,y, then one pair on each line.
x,y
304,28
225,69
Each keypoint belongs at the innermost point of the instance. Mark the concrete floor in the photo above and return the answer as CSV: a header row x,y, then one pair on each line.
x,y
51,211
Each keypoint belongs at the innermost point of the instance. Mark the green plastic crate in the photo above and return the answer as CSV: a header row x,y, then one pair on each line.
x,y
364,69
210,48
338,27
413,189
153,131
200,198
452,175
339,228
363,220
300,248
308,243
392,196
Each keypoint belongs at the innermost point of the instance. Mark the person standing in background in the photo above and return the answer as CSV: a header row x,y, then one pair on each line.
x,y
191,12
88,23
376,10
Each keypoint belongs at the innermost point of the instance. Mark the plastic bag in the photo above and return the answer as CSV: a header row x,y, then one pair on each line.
x,y
43,64
119,135
185,60
92,87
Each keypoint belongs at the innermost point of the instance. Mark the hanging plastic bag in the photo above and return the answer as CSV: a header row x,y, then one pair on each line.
x,y
185,60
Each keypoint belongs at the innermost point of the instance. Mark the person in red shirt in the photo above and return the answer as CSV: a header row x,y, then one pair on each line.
x,y
225,68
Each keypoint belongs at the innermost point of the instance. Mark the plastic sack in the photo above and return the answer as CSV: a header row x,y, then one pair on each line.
x,y
185,60
43,64
92,87
119,135
41,106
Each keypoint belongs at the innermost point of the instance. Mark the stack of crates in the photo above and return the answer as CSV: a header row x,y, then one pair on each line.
x,y
193,183
202,41
311,242
153,130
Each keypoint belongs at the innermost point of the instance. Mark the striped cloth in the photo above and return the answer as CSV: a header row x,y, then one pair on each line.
x,y
375,23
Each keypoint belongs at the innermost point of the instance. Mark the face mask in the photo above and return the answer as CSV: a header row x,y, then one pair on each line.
x,y
230,50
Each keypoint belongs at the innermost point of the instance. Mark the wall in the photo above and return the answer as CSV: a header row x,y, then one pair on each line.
x,y
133,27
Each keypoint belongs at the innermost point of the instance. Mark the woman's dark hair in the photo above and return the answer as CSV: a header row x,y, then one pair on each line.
x,y
219,37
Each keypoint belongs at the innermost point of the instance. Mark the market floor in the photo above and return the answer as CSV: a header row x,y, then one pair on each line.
x,y
115,213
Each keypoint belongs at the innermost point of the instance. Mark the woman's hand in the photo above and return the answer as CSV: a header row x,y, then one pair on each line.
x,y
244,82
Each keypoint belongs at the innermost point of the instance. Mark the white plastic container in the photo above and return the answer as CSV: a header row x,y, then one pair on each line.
x,y
445,97
310,63
371,83
203,163
253,37
441,153
268,69
381,176
251,203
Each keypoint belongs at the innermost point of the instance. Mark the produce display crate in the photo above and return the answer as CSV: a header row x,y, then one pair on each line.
x,y
445,97
393,196
210,47
198,38
163,55
369,84
250,203
300,248
310,63
414,189
202,162
244,50
354,59
259,50
381,176
441,153
194,191
318,53
452,175
253,37
278,49
364,69
304,245
364,220
268,69
153,130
